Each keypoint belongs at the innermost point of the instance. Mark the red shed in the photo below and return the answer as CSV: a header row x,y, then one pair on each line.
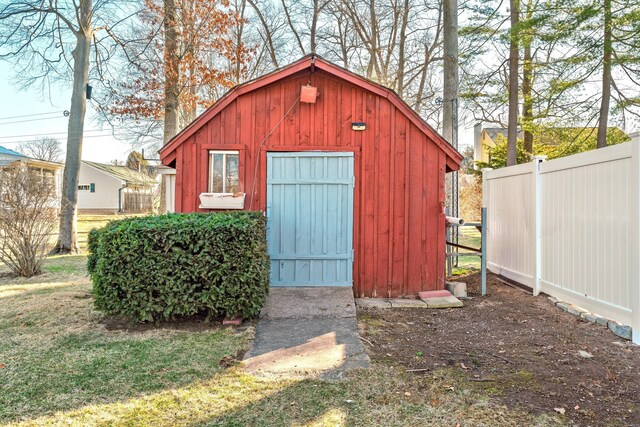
x,y
351,178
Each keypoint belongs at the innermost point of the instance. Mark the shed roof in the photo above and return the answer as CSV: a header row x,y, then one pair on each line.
x,y
310,62
130,176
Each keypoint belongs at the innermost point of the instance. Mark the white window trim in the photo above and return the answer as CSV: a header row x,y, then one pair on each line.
x,y
224,168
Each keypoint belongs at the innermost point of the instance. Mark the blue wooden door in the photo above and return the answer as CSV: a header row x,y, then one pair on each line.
x,y
310,218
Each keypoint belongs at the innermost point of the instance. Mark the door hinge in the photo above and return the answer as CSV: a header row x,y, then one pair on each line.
x,y
353,182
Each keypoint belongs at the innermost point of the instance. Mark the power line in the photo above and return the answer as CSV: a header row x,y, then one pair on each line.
x,y
28,140
47,134
32,115
31,120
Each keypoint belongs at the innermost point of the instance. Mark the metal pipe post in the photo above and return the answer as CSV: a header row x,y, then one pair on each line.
x,y
483,258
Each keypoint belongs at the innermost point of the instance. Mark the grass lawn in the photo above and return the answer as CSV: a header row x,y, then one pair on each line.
x,y
61,365
468,236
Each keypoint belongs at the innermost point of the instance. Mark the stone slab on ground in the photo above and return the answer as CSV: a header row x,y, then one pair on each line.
x,y
433,294
372,303
623,331
443,302
309,302
575,310
594,318
301,348
457,289
406,303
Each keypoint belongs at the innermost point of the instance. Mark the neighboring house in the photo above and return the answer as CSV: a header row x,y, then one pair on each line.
x,y
167,189
483,138
50,171
352,180
105,187
486,138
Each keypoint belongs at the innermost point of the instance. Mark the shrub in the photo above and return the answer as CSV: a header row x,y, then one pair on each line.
x,y
28,217
92,246
160,267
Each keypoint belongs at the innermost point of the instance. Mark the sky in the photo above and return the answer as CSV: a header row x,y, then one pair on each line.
x,y
29,114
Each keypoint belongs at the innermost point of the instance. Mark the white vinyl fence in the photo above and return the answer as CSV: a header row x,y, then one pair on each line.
x,y
570,228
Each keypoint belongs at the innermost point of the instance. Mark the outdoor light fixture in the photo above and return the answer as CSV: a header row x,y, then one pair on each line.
x,y
89,88
358,126
308,94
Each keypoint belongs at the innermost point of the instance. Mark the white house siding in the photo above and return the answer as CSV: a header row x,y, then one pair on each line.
x,y
170,192
106,189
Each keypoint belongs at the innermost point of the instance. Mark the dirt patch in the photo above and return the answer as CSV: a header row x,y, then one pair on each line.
x,y
190,324
7,275
518,348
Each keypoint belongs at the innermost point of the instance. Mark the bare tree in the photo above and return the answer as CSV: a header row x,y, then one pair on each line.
x,y
28,216
47,149
38,34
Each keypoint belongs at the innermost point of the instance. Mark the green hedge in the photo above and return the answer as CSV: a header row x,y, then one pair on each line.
x,y
162,267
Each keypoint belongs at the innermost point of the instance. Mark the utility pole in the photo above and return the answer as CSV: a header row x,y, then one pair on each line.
x,y
450,99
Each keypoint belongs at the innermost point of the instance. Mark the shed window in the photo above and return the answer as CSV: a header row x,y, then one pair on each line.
x,y
223,171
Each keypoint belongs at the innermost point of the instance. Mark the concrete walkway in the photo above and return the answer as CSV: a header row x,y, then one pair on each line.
x,y
307,332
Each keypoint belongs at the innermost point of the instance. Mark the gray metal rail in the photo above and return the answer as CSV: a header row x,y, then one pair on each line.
x,y
479,252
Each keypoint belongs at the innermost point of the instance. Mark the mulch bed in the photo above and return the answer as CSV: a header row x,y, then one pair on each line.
x,y
516,347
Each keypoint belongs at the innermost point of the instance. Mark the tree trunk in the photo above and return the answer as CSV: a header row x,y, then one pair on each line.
x,y
527,97
171,71
606,77
512,131
402,48
67,240
373,36
450,86
239,39
314,26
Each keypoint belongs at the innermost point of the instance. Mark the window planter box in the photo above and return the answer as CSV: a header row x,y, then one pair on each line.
x,y
222,200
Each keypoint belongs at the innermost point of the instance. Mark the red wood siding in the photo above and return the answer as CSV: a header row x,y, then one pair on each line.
x,y
399,195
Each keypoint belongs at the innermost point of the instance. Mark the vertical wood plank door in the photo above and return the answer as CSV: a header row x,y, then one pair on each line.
x,y
310,218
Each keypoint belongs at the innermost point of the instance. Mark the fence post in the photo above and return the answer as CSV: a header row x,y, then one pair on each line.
x,y
537,222
485,187
484,260
634,241
483,257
